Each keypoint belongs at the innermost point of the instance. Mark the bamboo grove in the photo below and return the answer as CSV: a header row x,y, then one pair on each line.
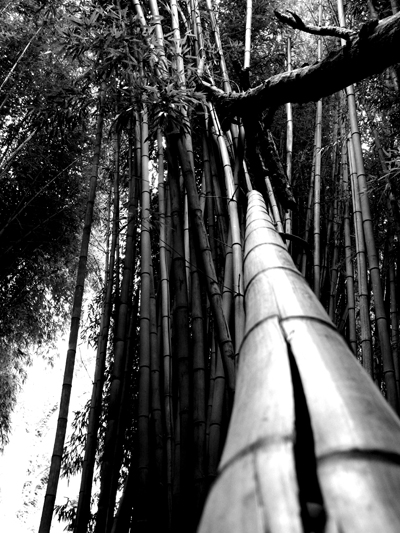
x,y
238,237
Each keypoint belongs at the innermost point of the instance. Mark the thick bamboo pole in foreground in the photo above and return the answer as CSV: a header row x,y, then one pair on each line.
x,y
309,429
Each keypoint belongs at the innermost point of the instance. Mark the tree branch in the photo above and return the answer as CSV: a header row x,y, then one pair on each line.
x,y
369,53
295,22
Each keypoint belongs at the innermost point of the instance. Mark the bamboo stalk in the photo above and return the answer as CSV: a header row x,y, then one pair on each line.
x,y
144,347
289,139
208,265
166,325
355,433
362,278
351,306
85,491
235,235
317,180
199,389
372,252
55,466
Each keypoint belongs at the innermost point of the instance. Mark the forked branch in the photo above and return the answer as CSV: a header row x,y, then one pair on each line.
x,y
295,22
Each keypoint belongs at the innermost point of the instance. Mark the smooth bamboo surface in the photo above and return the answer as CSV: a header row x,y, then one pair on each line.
x,y
293,357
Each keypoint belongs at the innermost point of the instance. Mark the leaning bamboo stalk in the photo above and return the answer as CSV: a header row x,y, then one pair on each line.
x,y
235,235
256,489
55,466
373,257
355,433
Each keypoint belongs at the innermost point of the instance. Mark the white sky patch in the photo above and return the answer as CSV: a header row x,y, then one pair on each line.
x,y
28,454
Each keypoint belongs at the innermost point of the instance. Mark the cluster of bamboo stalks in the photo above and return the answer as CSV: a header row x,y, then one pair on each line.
x,y
301,396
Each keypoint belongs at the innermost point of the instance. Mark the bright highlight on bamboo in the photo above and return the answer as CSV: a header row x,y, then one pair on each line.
x,y
269,478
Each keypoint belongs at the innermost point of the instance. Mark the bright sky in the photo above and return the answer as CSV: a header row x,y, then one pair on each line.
x,y
28,453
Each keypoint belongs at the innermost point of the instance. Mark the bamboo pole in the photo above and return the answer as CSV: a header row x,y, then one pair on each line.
x,y
372,251
55,466
289,139
199,390
247,38
362,278
144,348
351,305
317,180
166,325
214,293
85,491
235,235
297,371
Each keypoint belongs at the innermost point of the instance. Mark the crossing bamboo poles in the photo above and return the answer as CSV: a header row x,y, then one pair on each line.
x,y
55,466
372,252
